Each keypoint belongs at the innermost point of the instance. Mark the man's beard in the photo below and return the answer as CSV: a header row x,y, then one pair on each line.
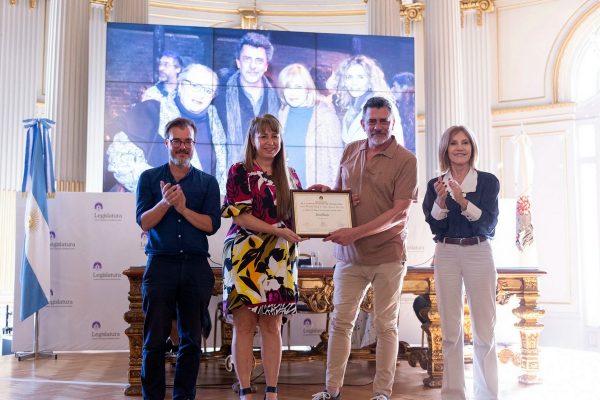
x,y
379,139
181,162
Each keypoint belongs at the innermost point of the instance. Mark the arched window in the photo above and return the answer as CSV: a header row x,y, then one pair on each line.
x,y
586,93
587,70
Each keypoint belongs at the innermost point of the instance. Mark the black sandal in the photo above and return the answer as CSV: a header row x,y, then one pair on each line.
x,y
245,391
270,389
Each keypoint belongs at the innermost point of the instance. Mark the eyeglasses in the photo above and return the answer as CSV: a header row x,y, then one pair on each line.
x,y
198,87
179,142
382,122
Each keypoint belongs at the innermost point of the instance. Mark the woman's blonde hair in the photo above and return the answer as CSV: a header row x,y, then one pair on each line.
x,y
444,159
281,174
377,83
298,70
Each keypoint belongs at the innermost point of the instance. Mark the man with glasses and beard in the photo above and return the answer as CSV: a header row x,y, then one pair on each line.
x,y
382,176
178,205
137,136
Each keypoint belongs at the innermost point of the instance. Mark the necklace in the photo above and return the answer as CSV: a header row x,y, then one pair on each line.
x,y
268,171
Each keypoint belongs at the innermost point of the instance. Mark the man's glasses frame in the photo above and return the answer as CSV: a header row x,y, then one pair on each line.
x,y
208,91
179,142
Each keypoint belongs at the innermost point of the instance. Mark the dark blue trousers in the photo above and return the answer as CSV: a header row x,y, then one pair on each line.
x,y
183,283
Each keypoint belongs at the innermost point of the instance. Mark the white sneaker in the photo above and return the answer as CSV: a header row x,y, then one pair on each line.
x,y
380,396
325,395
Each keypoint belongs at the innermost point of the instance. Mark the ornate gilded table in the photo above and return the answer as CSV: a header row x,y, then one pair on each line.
x,y
316,290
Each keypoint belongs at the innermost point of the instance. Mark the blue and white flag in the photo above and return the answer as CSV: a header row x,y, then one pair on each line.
x,y
38,182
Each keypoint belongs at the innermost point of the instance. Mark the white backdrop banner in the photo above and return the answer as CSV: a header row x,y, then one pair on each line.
x,y
93,239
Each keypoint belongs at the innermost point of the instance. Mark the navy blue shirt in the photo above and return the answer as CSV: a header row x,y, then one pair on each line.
x,y
456,225
174,234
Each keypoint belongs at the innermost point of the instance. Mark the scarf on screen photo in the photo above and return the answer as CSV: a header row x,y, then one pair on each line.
x,y
235,133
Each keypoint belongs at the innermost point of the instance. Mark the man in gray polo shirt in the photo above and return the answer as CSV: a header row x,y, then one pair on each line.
x,y
382,176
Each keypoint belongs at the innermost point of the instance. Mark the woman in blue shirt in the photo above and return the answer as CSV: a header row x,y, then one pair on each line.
x,y
461,208
311,129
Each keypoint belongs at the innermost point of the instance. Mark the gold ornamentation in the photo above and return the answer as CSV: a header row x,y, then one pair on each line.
x,y
505,355
411,13
467,328
367,303
503,293
108,6
249,17
32,3
480,6
319,298
542,107
70,186
316,290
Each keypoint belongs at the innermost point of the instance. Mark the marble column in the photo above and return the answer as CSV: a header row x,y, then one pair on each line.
x,y
130,11
66,89
478,103
21,60
444,99
384,18
95,105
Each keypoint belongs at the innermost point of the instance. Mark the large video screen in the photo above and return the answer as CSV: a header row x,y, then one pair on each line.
x,y
315,84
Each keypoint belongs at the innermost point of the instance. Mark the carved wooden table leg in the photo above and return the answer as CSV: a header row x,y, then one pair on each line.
x,y
434,380
317,293
467,330
135,318
226,336
530,329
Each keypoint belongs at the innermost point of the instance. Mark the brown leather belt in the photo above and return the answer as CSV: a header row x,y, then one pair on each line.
x,y
469,241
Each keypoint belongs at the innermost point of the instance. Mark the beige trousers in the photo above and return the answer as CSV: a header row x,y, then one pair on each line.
x,y
351,282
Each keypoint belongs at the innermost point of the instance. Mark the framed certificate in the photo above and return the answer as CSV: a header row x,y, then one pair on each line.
x,y
316,214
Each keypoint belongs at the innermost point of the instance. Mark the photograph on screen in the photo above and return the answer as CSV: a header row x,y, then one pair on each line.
x,y
315,84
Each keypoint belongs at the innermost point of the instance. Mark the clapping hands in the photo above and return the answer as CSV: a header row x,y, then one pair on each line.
x,y
442,194
173,195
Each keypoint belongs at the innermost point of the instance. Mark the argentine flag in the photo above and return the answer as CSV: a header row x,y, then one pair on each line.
x,y
38,182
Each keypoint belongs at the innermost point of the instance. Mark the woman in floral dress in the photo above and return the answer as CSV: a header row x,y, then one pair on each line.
x,y
259,272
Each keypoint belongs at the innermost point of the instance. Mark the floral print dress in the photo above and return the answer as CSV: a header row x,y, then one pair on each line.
x,y
259,270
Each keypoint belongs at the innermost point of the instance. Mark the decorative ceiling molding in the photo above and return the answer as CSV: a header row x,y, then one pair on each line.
x,y
411,12
263,12
479,6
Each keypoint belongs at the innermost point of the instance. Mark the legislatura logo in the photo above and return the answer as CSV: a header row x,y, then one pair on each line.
x,y
308,329
99,275
57,244
57,301
99,333
102,215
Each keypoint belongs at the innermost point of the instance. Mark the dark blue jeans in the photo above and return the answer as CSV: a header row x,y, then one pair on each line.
x,y
183,283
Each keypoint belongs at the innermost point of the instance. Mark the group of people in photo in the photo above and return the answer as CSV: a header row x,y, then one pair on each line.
x,y
318,118
179,205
